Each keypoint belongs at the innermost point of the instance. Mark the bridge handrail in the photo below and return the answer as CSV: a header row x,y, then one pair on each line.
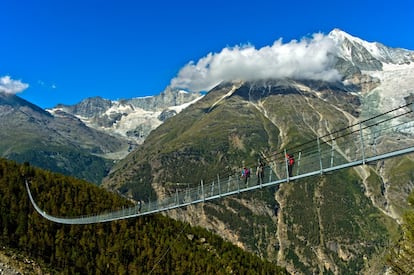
x,y
328,153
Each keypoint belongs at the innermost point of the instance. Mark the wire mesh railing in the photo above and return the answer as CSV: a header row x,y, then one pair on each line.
x,y
385,135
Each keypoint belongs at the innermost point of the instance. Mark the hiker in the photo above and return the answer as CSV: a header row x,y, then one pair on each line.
x,y
245,174
290,162
260,172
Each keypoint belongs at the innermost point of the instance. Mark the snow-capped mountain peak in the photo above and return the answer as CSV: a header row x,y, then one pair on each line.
x,y
387,73
132,118
376,70
369,55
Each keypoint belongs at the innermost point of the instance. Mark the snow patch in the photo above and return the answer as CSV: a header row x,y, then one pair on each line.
x,y
397,82
232,90
179,108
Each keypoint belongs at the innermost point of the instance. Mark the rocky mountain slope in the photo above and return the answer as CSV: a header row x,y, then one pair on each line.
x,y
85,139
132,119
339,223
56,142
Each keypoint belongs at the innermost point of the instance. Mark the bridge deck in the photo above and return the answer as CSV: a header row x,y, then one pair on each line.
x,y
384,136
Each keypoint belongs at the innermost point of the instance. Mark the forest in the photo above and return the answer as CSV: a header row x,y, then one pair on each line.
x,y
150,244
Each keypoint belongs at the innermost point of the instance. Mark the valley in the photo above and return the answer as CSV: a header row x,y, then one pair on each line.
x,y
145,149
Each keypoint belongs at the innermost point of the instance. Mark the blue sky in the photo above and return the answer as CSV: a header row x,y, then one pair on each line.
x,y
59,51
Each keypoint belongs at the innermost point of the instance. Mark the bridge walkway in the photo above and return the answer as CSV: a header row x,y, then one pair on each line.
x,y
384,136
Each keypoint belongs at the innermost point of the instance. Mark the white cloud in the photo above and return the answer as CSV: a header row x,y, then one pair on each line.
x,y
309,58
11,86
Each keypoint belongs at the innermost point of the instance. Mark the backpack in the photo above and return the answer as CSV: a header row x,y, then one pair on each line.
x,y
291,160
246,172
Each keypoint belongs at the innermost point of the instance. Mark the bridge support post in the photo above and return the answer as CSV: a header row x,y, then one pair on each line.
x,y
375,140
202,191
320,155
187,193
362,143
177,201
287,166
219,187
270,173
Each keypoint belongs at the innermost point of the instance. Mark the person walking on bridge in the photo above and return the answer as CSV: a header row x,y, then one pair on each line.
x,y
260,172
245,174
290,162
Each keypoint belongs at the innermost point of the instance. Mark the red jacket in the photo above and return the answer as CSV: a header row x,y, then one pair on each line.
x,y
290,159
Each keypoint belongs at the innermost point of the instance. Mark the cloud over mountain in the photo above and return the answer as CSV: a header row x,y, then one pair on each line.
x,y
11,86
309,58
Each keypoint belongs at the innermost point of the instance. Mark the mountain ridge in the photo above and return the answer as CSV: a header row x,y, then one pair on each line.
x,y
132,119
236,122
334,223
83,140
62,144
358,61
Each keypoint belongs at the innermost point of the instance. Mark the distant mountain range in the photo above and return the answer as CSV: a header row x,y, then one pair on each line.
x,y
82,140
59,143
133,118
144,148
370,69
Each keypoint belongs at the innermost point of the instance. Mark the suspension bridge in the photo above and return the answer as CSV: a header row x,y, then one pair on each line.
x,y
383,136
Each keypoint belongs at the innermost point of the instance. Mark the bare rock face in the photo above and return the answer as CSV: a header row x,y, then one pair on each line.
x,y
58,142
336,223
133,118
365,82
12,263
327,223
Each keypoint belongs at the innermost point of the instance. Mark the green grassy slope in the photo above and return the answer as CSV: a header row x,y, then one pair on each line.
x,y
328,220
